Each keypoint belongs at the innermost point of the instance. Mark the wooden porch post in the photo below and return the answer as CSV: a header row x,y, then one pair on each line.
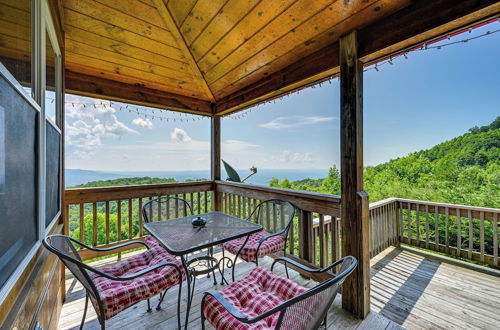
x,y
354,203
215,155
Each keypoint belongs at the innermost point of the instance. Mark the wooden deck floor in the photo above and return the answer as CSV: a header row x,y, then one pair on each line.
x,y
407,290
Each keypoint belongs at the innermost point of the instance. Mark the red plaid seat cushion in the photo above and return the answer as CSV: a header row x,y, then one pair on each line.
x,y
253,295
151,241
118,295
270,245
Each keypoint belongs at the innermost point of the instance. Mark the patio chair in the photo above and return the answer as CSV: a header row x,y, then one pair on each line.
x,y
264,300
114,288
164,208
276,216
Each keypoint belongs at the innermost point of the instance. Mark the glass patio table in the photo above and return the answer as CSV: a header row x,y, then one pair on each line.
x,y
179,237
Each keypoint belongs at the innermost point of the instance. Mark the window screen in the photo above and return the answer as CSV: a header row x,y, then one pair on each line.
x,y
18,180
53,170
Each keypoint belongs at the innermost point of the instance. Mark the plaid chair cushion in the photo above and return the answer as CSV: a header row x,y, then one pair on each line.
x,y
271,245
151,241
254,294
118,295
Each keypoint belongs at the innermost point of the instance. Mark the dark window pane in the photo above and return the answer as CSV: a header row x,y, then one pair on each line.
x,y
18,180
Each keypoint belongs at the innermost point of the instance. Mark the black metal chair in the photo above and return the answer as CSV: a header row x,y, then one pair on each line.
x,y
164,208
301,309
276,216
109,292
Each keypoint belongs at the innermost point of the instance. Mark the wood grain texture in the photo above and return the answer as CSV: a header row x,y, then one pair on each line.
x,y
181,43
354,202
91,86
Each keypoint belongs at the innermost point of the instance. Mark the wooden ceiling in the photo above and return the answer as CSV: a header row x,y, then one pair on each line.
x,y
190,54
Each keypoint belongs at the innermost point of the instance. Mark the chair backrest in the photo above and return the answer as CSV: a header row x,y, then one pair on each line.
x,y
164,208
63,247
308,310
274,215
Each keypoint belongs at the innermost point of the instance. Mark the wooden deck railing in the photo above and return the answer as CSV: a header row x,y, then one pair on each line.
x,y
465,231
111,215
312,238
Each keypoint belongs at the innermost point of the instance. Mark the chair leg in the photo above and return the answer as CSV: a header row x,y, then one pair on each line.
x,y
84,311
202,314
149,307
286,265
162,296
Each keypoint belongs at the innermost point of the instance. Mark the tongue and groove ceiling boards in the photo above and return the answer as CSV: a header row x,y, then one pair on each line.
x,y
188,54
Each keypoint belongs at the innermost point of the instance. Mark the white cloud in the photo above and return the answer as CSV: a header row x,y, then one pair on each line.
x,y
86,125
292,122
179,135
144,123
293,158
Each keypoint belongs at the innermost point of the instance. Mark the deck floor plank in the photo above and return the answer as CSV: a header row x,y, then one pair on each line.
x,y
407,290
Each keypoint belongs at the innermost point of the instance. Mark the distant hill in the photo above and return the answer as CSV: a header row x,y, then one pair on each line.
x,y
463,170
73,177
126,182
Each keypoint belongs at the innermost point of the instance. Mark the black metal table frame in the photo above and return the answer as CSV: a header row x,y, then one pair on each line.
x,y
185,263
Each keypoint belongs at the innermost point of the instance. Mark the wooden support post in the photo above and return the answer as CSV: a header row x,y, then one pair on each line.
x,y
354,203
215,154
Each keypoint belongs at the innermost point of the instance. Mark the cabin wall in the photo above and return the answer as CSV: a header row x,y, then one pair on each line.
x,y
36,290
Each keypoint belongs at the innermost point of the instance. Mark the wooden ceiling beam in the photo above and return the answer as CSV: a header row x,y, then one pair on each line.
x,y
420,21
181,42
85,85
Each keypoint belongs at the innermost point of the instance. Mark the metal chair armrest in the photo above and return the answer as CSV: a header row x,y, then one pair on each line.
x,y
138,274
305,268
108,248
281,232
226,304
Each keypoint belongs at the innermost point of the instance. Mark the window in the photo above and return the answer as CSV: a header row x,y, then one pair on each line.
x,y
16,40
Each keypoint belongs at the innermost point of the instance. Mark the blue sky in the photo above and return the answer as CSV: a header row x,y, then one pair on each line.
x,y
415,103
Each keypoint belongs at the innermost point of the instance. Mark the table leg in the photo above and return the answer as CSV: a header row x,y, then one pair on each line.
x,y
189,298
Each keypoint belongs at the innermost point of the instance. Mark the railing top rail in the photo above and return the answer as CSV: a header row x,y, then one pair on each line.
x,y
383,202
454,206
101,194
291,192
305,200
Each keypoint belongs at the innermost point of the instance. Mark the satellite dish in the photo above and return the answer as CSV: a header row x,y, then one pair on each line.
x,y
233,175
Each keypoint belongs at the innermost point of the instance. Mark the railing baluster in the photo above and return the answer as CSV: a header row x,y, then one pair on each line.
x,y
447,229
206,201
426,226
417,211
322,252
436,228
481,234
409,224
459,232
199,202
94,223
119,219
82,225
471,233
140,217
130,225
495,239
107,222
